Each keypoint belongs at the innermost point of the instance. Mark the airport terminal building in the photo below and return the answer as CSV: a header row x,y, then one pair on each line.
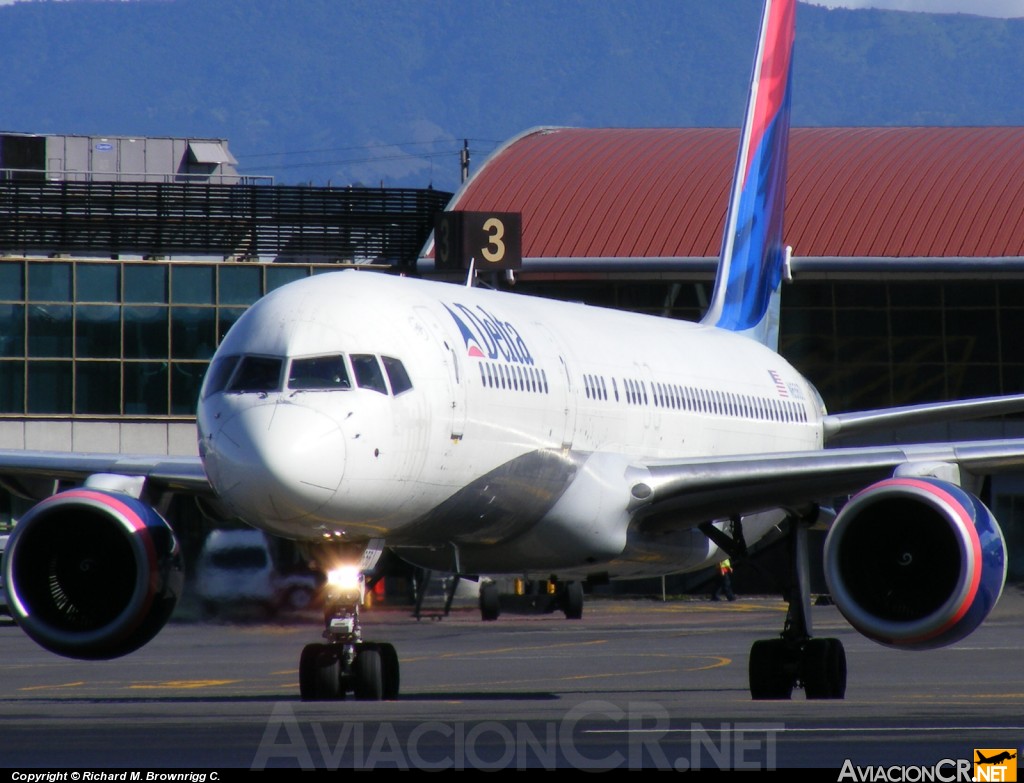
x,y
116,285
123,261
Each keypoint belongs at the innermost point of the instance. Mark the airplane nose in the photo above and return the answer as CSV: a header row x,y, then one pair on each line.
x,y
277,462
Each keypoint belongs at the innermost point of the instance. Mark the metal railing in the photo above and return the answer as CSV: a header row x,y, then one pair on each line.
x,y
76,175
355,225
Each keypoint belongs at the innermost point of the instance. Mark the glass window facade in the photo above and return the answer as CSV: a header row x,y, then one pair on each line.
x,y
134,338
879,344
864,344
119,338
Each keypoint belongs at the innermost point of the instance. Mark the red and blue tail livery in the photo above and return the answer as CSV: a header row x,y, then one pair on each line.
x,y
753,254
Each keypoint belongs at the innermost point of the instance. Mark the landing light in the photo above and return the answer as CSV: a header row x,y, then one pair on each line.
x,y
344,577
345,581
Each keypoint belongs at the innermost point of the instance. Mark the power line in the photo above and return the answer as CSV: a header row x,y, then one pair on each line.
x,y
312,164
358,147
338,149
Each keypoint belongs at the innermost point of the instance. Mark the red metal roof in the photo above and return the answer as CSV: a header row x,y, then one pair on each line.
x,y
852,192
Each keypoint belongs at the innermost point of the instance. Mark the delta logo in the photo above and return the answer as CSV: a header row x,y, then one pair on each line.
x,y
995,764
487,337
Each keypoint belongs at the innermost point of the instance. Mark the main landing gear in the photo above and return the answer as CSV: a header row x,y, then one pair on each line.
x,y
795,658
541,596
345,663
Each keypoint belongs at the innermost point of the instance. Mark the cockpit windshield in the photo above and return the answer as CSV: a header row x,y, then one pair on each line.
x,y
330,372
399,378
319,372
368,374
257,374
219,374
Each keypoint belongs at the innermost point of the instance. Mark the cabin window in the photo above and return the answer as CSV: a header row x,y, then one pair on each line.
x,y
368,374
257,374
319,372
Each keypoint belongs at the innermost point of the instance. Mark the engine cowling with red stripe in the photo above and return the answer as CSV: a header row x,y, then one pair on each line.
x,y
915,563
92,574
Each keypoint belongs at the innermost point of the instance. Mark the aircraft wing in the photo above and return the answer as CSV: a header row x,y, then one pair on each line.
x,y
684,493
842,425
20,470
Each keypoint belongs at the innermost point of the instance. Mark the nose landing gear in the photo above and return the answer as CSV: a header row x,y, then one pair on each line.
x,y
345,663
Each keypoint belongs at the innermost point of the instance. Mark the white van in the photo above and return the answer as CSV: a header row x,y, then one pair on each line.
x,y
235,568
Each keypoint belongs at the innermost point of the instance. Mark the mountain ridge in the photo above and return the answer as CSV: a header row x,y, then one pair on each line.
x,y
385,92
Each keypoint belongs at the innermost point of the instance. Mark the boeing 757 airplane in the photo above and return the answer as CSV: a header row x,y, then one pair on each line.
x,y
482,432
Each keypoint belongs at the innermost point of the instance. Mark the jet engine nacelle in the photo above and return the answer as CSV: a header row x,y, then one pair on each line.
x,y
92,574
915,563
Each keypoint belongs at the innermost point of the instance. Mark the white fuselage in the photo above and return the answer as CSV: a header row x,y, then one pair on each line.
x,y
510,419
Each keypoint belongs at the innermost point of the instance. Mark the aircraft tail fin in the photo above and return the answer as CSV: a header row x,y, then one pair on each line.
x,y
754,258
